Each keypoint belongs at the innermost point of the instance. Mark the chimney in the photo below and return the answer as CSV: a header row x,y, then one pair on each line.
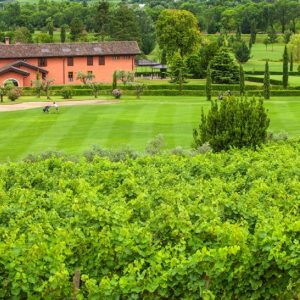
x,y
6,40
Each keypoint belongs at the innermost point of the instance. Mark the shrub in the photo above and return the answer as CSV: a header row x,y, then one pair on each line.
x,y
67,93
14,93
117,93
155,145
223,68
236,122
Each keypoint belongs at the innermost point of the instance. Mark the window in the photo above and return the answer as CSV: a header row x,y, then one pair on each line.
x,y
42,62
70,76
90,60
102,60
70,61
127,57
115,57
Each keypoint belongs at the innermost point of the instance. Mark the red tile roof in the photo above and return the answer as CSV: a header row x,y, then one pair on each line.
x,y
73,49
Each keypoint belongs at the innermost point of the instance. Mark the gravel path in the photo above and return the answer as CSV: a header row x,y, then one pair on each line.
x,y
30,105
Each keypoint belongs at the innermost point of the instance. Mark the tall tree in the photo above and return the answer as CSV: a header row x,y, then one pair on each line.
x,y
50,26
177,30
267,81
124,25
242,81
102,19
178,70
148,37
76,29
241,51
253,32
208,84
63,33
223,68
292,62
285,68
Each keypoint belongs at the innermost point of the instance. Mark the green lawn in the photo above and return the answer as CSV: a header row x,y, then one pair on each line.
x,y
132,122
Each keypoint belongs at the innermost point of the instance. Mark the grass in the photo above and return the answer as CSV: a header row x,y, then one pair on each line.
x,y
132,122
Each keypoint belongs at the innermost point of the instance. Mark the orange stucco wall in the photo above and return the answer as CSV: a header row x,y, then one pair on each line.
x,y
12,75
58,68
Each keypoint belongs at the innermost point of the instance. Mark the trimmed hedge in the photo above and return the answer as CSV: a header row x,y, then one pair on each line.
x,y
271,73
261,80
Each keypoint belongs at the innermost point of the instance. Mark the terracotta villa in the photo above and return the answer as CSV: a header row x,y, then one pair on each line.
x,y
61,62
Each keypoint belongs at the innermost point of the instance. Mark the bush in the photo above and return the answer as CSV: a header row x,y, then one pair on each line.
x,y
117,93
14,93
236,122
67,93
155,146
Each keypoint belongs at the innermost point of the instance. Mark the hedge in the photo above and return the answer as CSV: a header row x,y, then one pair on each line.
x,y
271,73
261,80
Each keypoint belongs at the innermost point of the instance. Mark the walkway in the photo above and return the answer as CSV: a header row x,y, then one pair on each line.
x,y
30,105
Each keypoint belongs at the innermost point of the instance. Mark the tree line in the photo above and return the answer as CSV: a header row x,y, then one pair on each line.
x,y
136,19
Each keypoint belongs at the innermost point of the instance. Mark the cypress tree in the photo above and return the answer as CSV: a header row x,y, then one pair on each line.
x,y
267,81
292,63
242,81
285,69
63,34
253,32
208,84
114,83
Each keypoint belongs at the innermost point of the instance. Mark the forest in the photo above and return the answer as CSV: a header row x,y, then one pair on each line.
x,y
136,20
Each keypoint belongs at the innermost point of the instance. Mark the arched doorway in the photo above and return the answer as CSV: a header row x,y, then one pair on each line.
x,y
15,82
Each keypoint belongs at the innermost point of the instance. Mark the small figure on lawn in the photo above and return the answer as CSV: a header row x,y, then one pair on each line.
x,y
55,106
220,97
46,109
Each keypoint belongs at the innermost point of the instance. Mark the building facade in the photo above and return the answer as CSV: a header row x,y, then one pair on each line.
x,y
61,62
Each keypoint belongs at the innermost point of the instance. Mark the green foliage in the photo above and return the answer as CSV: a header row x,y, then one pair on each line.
x,y
287,36
224,225
147,29
177,30
123,25
76,29
197,63
223,68
125,76
236,122
285,68
63,34
67,93
178,70
267,81
242,81
291,62
294,46
208,84
22,35
85,78
241,51
272,36
156,145
115,80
